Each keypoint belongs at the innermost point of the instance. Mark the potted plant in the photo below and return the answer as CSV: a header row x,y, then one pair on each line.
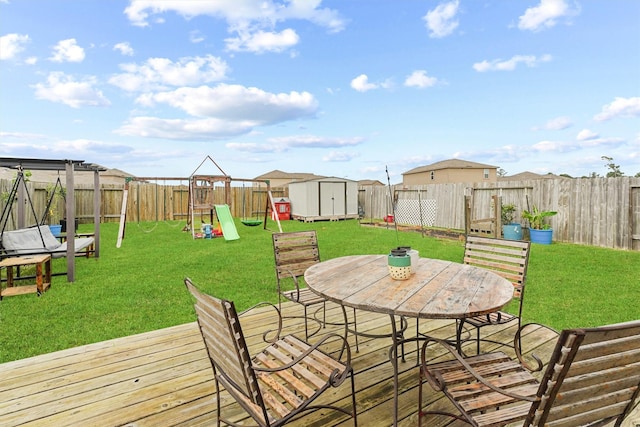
x,y
539,229
510,230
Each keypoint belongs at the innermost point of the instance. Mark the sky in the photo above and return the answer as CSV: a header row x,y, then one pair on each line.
x,y
357,89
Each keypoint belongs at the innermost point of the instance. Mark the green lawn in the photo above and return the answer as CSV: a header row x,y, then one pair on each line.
x,y
139,287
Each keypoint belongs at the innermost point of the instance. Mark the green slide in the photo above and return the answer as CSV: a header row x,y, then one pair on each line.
x,y
226,222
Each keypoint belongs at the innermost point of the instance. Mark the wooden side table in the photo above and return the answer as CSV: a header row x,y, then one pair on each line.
x,y
43,274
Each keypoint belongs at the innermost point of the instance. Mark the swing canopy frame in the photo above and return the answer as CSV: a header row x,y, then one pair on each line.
x,y
70,167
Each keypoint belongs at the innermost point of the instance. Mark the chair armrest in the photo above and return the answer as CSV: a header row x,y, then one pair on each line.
x,y
265,336
517,340
437,382
295,282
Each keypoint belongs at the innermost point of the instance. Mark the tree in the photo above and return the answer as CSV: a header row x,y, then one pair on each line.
x,y
614,170
501,172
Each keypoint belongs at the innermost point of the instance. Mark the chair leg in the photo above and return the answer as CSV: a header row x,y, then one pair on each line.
x,y
355,328
306,325
477,340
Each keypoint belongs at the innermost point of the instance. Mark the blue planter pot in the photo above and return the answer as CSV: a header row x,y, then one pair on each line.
x,y
540,236
512,231
55,229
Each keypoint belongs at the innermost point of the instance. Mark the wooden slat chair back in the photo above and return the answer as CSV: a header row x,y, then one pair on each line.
x,y
294,253
591,379
507,258
278,384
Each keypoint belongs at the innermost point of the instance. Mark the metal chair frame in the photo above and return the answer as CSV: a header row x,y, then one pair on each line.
x,y
281,382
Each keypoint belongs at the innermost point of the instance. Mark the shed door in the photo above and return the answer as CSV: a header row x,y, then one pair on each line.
x,y
332,198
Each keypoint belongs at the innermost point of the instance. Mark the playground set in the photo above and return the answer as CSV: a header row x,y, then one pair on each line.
x,y
210,201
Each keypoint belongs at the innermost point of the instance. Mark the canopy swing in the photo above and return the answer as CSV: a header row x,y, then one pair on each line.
x,y
250,222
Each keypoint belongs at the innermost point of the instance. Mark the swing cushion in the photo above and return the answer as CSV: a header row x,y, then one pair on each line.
x,y
27,241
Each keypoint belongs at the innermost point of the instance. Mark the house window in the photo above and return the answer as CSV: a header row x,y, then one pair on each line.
x,y
433,175
486,174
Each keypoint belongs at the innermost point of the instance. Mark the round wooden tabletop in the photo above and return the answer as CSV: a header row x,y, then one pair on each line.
x,y
437,290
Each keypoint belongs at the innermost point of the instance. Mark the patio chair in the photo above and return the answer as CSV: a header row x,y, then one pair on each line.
x,y
507,258
592,379
295,252
281,382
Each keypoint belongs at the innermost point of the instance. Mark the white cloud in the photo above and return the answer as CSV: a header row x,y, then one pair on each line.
x,y
196,36
361,83
420,79
92,146
67,51
159,73
263,41
283,144
64,89
620,107
441,21
252,147
339,156
32,60
237,103
586,134
11,45
544,15
124,48
558,123
221,111
570,146
184,129
313,141
253,20
510,64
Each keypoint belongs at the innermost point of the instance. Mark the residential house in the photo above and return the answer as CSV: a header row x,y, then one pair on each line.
x,y
527,176
450,171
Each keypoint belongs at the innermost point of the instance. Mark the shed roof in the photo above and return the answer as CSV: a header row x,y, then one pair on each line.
x,y
450,164
324,178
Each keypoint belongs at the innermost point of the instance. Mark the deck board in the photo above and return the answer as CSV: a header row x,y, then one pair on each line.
x,y
163,378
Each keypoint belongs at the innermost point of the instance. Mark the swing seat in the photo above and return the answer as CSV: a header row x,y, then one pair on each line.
x,y
251,222
40,240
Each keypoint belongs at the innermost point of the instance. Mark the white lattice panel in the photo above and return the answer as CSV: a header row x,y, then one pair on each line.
x,y
408,212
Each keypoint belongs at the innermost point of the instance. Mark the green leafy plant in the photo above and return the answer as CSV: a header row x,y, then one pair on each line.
x,y
537,218
508,213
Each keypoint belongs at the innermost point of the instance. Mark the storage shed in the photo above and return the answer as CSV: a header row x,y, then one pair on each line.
x,y
327,198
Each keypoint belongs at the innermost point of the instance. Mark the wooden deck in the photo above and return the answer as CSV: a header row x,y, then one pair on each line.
x,y
163,378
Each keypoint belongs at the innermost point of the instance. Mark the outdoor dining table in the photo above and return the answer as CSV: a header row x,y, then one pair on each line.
x,y
436,290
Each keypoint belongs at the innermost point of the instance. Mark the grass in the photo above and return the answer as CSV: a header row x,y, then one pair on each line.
x,y
139,287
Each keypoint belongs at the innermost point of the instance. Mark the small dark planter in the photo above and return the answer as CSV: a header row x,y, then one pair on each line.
x,y
63,223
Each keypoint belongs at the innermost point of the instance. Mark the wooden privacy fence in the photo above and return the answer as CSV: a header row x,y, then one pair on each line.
x,y
592,211
146,202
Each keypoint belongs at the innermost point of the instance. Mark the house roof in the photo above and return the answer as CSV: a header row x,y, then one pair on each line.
x,y
369,182
450,164
278,174
525,176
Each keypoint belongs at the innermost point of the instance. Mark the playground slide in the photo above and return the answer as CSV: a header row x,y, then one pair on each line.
x,y
226,222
